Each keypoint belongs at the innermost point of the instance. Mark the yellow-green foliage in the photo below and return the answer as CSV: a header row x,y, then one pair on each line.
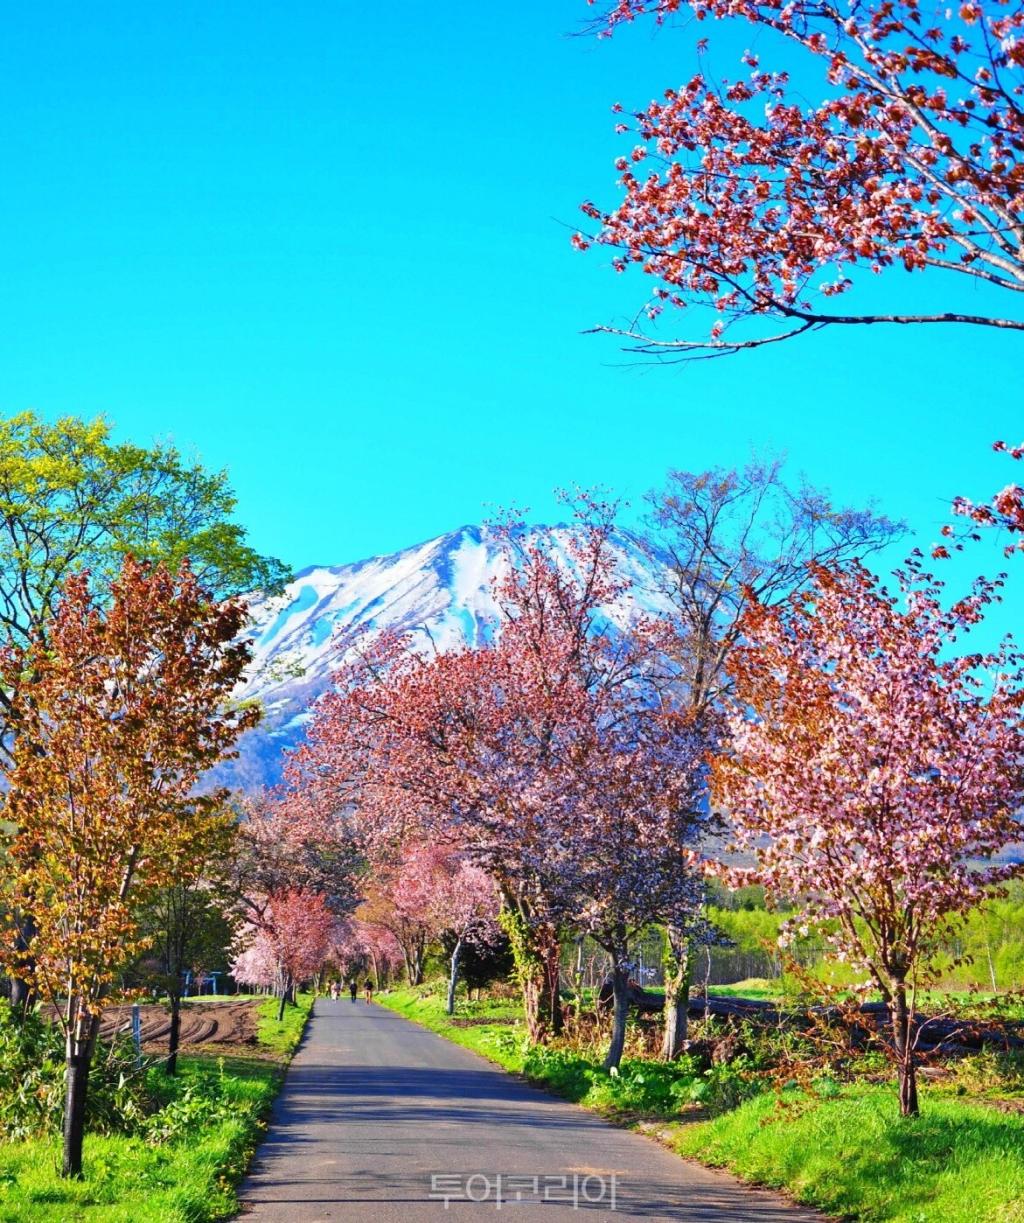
x,y
989,943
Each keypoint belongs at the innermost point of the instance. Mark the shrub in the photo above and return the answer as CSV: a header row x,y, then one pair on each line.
x,y
32,1082
991,1071
723,1088
566,1073
202,1101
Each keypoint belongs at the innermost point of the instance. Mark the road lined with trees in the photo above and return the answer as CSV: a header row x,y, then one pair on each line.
x,y
560,789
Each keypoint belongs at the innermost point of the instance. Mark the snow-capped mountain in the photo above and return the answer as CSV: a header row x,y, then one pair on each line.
x,y
441,588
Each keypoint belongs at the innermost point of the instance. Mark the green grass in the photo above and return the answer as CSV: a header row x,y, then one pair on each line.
x,y
283,1038
495,1028
754,987
188,1179
854,1156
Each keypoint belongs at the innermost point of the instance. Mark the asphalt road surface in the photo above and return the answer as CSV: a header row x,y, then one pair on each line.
x,y
382,1121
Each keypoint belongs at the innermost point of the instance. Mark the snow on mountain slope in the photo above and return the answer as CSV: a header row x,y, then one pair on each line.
x,y
441,588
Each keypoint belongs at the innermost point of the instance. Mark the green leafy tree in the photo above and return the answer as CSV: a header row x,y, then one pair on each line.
x,y
188,922
72,499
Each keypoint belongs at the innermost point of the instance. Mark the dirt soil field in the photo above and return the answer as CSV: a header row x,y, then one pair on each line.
x,y
220,1024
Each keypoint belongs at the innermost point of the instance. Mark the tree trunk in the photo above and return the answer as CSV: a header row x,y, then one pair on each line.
x,y
78,1055
620,1013
677,992
20,1002
535,955
171,1065
453,979
536,1028
284,998
553,996
903,1038
22,999
991,965
542,1004
577,978
417,965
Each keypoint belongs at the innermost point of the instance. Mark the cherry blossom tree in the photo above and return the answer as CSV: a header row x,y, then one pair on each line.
x,y
401,901
255,963
464,747
287,841
488,748
294,934
741,199
466,901
292,851
720,538
432,892
872,770
636,832
128,708
1006,511
376,946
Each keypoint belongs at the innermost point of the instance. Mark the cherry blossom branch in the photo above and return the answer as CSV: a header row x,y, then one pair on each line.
x,y
649,346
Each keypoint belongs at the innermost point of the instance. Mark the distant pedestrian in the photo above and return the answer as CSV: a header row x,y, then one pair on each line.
x,y
353,988
369,991
334,991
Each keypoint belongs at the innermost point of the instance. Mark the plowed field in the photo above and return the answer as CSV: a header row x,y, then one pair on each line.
x,y
202,1023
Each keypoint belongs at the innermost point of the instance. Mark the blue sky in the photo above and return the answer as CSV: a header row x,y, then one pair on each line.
x,y
326,246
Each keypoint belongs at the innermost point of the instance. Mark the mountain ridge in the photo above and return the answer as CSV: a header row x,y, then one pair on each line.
x,y
441,587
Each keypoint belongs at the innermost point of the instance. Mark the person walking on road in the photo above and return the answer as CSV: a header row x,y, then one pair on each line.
x,y
353,988
334,991
368,988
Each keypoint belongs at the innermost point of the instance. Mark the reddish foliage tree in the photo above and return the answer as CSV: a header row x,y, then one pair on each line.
x,y
758,206
128,708
870,771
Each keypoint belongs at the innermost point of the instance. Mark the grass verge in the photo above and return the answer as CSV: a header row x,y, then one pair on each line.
x,y
283,1037
492,1028
853,1156
187,1167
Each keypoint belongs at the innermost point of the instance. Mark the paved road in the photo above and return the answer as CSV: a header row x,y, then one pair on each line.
x,y
380,1118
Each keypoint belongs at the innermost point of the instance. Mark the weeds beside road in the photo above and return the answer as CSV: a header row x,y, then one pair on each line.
x,y
181,1159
